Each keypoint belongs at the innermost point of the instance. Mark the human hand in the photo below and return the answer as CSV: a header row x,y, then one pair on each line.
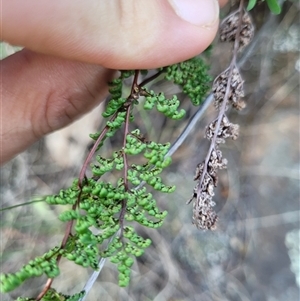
x,y
58,77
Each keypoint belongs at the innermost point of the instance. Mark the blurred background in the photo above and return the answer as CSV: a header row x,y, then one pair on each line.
x,y
253,254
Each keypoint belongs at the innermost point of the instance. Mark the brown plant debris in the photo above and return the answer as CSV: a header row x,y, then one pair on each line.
x,y
226,130
229,26
204,216
236,91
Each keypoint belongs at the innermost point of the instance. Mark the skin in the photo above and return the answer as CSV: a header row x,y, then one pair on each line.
x,y
69,57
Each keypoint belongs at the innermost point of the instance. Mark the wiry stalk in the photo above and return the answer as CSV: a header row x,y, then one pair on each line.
x,y
227,89
134,95
225,100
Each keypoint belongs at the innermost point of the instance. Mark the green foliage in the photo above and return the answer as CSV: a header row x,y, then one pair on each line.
x,y
102,214
45,264
168,107
251,4
192,77
273,5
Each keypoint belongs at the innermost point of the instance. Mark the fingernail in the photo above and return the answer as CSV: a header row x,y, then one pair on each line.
x,y
203,13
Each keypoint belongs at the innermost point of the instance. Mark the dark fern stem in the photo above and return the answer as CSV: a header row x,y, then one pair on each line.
x,y
227,90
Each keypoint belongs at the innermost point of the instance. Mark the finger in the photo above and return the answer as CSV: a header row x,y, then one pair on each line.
x,y
42,94
223,2
119,34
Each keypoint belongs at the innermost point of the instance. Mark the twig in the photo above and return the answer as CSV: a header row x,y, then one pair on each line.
x,y
37,200
45,289
92,152
135,90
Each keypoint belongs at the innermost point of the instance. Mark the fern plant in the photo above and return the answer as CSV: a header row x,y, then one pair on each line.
x,y
100,215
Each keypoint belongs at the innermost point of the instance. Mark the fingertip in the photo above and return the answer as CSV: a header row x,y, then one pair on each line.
x,y
119,34
168,39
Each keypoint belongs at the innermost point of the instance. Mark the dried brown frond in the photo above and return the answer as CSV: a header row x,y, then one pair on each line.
x,y
204,217
228,89
226,130
236,88
229,27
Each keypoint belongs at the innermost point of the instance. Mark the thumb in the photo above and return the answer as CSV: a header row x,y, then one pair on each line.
x,y
118,34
